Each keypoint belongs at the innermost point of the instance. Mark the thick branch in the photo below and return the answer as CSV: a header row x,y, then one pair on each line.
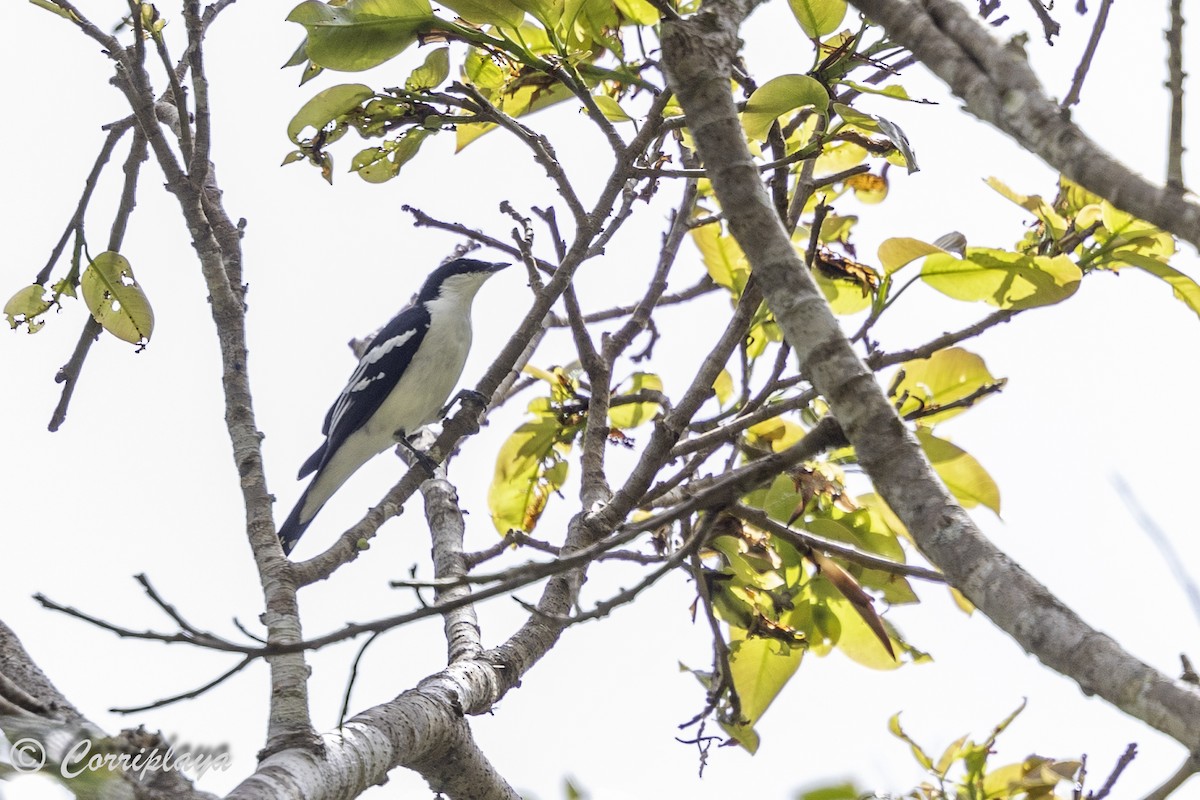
x,y
999,87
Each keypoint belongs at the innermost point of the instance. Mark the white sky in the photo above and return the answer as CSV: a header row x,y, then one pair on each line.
x,y
140,479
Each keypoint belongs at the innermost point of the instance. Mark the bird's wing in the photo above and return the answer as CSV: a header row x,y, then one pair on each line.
x,y
380,367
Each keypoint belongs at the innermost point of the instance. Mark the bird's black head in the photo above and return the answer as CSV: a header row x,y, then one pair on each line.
x,y
464,272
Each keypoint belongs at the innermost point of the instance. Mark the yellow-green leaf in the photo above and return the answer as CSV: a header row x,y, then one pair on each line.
x,y
1128,234
895,90
946,376
630,415
778,434
638,12
24,308
431,73
723,258
1001,278
723,387
760,668
501,13
902,251
818,17
116,300
360,34
779,96
54,8
380,164
843,296
922,758
611,109
529,469
966,479
1034,204
1185,289
327,106
863,607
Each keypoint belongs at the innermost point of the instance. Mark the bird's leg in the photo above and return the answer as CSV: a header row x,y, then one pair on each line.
x,y
464,395
427,463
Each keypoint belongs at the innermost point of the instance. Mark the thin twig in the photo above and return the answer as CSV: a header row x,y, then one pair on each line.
x,y
194,693
728,431
1122,762
1175,78
879,360
198,164
1085,62
69,373
1049,26
1186,770
803,540
75,225
702,287
606,607
206,641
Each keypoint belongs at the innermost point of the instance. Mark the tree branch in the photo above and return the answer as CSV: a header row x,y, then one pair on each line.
x,y
698,57
999,87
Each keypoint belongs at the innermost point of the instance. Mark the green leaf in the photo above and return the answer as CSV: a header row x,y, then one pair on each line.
x,y
630,415
611,109
1034,204
919,754
1001,278
360,34
327,106
517,101
1185,289
54,9
299,56
639,12
859,119
760,668
966,479
115,298
529,468
723,258
779,96
431,73
818,17
381,164
897,137
895,90
949,756
24,308
501,13
840,791
902,251
723,387
946,376
843,296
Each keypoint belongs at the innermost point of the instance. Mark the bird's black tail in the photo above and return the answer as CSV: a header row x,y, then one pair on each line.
x,y
292,528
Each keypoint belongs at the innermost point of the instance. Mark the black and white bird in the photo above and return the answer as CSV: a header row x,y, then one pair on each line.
x,y
401,383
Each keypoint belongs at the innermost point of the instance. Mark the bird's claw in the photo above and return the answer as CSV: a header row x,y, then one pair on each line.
x,y
426,463
463,396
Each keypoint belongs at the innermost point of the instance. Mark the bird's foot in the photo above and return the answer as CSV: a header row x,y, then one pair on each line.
x,y
463,396
426,463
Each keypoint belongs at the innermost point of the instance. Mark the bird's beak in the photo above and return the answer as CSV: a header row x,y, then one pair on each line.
x,y
496,266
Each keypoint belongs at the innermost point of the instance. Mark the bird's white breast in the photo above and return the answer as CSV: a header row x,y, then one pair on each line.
x,y
431,375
